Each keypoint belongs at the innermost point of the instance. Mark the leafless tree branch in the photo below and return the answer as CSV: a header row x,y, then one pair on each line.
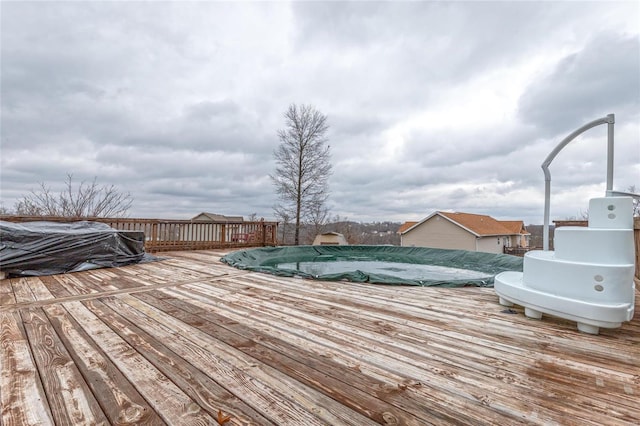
x,y
85,200
303,165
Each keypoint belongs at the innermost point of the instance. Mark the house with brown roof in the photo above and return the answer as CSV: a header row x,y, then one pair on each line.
x,y
464,231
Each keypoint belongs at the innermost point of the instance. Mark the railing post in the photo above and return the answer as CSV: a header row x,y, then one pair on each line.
x,y
154,235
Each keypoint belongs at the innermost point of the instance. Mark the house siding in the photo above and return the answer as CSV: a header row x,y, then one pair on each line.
x,y
438,232
493,244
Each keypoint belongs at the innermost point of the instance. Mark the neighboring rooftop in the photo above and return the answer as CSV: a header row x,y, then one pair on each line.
x,y
406,226
188,339
478,224
515,226
213,217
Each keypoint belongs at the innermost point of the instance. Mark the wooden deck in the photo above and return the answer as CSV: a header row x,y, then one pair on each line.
x,y
188,341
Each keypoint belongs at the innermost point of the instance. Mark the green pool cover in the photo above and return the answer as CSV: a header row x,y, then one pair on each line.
x,y
420,266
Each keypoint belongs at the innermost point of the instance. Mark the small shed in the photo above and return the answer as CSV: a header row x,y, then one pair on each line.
x,y
330,239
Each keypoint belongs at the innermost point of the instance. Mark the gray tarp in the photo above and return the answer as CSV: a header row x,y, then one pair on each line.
x,y
47,248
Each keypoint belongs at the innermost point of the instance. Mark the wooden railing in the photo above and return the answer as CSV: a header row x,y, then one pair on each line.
x,y
168,234
516,251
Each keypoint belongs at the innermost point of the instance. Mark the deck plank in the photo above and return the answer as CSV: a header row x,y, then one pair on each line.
x,y
398,348
259,386
174,341
377,397
158,350
504,328
7,296
121,403
24,401
68,394
169,401
22,290
296,364
459,392
394,329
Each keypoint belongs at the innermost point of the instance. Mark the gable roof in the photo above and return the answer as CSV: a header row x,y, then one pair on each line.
x,y
405,226
213,217
515,226
477,224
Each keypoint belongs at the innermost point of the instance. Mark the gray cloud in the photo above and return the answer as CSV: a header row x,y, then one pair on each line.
x,y
603,77
431,105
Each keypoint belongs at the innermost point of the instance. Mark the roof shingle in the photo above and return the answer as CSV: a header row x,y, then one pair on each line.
x,y
479,224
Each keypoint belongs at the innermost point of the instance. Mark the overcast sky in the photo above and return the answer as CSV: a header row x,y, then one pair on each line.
x,y
431,105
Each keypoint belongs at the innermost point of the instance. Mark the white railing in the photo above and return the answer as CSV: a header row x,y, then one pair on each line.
x,y
609,120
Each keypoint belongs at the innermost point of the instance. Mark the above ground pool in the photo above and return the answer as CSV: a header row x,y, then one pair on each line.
x,y
378,264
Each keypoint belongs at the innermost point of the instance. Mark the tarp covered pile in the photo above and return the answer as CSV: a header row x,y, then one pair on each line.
x,y
47,248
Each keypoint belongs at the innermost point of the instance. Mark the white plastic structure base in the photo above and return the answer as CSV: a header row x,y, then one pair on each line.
x,y
588,279
505,302
590,316
532,313
590,329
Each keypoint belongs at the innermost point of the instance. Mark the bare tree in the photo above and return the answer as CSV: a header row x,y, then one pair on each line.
x,y
345,227
318,219
85,200
302,164
282,216
4,210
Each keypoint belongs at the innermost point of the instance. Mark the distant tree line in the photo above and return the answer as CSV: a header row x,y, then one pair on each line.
x,y
372,233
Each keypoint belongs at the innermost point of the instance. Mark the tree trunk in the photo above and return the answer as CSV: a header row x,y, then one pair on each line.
x,y
299,199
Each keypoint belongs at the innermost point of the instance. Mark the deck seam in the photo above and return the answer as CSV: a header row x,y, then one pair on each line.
x,y
91,296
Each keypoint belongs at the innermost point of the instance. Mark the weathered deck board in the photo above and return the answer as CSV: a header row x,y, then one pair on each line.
x,y
345,382
167,399
388,351
68,395
7,296
121,403
173,342
259,385
297,364
207,393
23,398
